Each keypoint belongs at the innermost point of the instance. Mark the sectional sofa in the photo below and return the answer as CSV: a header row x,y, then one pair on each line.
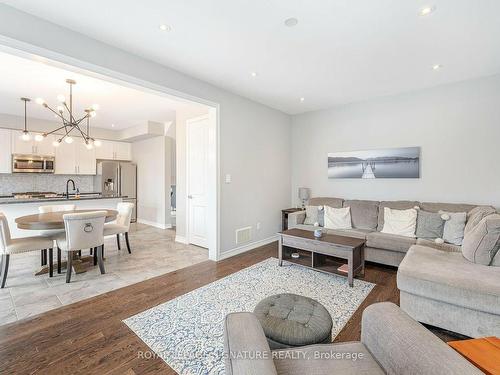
x,y
437,284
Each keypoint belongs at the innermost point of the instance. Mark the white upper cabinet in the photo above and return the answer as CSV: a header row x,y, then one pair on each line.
x,y
5,151
74,158
111,150
31,147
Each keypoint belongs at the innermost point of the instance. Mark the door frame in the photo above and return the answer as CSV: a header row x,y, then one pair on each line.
x,y
49,57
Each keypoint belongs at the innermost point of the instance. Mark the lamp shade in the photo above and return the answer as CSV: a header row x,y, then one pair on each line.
x,y
304,193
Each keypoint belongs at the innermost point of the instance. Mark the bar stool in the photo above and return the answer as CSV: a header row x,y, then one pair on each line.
x,y
9,246
82,231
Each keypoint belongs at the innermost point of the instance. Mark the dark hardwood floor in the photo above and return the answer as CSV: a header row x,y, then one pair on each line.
x,y
89,337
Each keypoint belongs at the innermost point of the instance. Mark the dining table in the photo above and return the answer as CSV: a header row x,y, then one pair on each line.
x,y
55,221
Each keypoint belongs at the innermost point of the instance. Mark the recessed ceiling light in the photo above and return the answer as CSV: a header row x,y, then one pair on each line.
x,y
254,74
164,27
112,125
425,11
437,67
302,99
291,22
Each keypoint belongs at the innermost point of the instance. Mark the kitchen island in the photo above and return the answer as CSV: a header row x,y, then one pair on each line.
x,y
13,208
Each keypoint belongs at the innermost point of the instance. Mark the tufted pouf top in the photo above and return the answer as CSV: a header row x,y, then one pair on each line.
x,y
293,320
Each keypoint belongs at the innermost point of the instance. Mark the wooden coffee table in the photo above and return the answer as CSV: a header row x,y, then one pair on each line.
x,y
324,254
484,353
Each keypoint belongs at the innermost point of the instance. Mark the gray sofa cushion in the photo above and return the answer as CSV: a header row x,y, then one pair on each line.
x,y
482,242
449,277
354,233
439,246
314,215
391,242
301,361
324,201
448,207
429,225
476,215
454,227
364,214
398,205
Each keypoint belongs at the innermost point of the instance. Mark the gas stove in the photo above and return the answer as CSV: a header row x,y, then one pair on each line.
x,y
35,194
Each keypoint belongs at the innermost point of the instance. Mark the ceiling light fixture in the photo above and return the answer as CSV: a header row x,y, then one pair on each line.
x,y
437,67
70,123
425,11
302,100
254,74
164,27
26,135
291,22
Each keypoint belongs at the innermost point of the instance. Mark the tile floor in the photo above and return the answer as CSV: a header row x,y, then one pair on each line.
x,y
154,253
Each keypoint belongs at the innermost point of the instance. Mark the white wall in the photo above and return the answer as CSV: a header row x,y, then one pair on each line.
x,y
457,126
152,204
254,139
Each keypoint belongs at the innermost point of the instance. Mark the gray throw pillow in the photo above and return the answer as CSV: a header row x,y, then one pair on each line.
x,y
314,215
454,227
482,242
476,215
429,225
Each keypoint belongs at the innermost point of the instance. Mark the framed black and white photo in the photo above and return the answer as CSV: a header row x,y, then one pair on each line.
x,y
403,162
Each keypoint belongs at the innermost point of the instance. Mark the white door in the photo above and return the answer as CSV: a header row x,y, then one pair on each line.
x,y
197,176
66,158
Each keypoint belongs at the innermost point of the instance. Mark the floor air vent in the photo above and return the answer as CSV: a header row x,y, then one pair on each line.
x,y
243,235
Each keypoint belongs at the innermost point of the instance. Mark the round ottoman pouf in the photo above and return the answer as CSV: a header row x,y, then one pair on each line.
x,y
291,320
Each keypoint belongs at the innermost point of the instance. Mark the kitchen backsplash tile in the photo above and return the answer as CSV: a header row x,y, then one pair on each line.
x,y
16,183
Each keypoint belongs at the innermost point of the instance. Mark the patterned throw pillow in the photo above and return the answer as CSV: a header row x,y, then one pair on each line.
x,y
314,214
454,227
430,225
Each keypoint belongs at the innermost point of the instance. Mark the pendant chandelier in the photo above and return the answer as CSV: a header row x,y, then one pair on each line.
x,y
71,125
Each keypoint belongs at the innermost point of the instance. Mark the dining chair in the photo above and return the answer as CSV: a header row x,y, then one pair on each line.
x,y
9,246
53,232
82,231
121,225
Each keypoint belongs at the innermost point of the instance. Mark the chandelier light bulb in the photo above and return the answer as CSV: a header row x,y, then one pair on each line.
x,y
39,137
95,107
93,114
68,140
39,101
56,143
61,98
97,143
25,136
89,146
60,108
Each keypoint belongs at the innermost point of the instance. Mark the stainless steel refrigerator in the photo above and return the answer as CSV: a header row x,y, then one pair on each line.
x,y
117,179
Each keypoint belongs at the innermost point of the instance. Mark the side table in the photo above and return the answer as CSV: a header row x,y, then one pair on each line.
x,y
284,216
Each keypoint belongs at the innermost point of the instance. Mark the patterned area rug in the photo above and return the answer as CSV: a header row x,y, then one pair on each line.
x,y
187,332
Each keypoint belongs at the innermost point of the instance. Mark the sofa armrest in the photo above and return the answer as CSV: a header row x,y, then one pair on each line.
x,y
401,345
295,218
246,349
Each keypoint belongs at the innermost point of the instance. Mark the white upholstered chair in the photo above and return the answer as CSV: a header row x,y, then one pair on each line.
x,y
121,225
53,232
82,231
9,246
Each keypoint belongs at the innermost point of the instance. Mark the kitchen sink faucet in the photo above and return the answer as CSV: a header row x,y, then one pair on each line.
x,y
67,187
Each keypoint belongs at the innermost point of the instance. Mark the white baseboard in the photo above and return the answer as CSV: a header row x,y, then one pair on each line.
x,y
248,247
153,224
181,239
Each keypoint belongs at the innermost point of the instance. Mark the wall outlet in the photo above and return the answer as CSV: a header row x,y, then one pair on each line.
x,y
258,226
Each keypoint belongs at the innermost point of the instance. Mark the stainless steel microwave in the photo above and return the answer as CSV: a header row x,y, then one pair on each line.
x,y
32,164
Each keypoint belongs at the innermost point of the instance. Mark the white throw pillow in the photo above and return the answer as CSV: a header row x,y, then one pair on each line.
x,y
400,222
338,218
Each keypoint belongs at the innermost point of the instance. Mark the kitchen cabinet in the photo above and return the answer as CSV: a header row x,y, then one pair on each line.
x,y
5,151
74,158
31,147
112,150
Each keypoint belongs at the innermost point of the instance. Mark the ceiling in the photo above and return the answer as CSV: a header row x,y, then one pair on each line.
x,y
340,51
120,107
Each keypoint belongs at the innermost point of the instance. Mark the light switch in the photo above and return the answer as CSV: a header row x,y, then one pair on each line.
x,y
228,178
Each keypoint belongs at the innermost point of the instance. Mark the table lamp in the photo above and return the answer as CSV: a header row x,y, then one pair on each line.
x,y
304,195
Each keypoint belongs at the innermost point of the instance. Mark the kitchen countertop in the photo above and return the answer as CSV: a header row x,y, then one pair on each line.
x,y
12,200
